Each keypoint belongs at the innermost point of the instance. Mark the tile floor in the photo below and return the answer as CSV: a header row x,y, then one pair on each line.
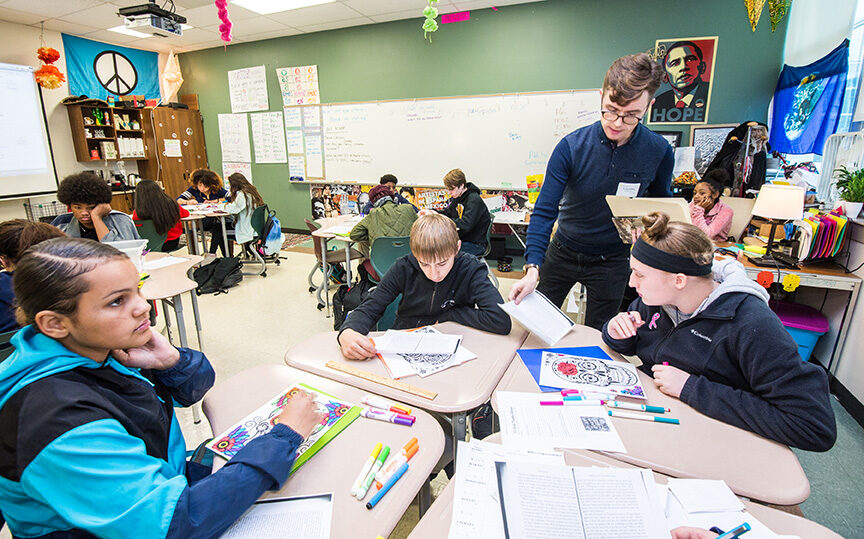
x,y
257,321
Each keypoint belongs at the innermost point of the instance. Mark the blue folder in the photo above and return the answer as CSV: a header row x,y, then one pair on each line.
x,y
532,357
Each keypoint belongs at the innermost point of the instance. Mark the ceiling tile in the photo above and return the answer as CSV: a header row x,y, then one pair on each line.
x,y
248,27
111,37
398,15
20,17
285,31
320,14
102,16
474,4
380,7
60,25
208,15
191,37
337,24
189,4
50,8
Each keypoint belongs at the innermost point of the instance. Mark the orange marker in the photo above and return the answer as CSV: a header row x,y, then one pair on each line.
x,y
404,456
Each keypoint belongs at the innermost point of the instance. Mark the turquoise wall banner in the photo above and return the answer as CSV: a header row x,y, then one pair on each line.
x,y
97,69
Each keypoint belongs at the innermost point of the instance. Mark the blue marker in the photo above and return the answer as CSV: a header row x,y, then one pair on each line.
x,y
380,494
737,531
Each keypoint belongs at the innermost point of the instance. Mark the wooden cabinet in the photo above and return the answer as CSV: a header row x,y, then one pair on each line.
x,y
101,133
166,124
123,201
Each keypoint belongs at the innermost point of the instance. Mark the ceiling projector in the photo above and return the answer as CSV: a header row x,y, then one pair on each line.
x,y
152,19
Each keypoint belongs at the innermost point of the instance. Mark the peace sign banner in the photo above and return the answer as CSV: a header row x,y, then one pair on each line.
x,y
98,69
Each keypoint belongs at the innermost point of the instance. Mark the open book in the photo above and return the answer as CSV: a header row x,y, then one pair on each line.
x,y
262,420
540,316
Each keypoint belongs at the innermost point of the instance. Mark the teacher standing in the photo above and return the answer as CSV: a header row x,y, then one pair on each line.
x,y
616,155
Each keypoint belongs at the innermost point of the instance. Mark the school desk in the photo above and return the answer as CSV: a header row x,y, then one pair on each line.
x,y
435,524
460,389
512,219
326,233
191,224
168,285
825,275
335,467
700,446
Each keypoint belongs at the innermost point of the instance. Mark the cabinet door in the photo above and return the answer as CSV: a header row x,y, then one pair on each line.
x,y
184,126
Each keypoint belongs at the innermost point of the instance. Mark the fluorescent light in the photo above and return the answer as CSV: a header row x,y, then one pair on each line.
x,y
266,7
123,30
185,27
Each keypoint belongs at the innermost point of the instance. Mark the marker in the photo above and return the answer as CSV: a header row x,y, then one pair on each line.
x,y
572,397
382,404
738,531
640,407
572,403
666,363
380,494
391,417
361,492
385,474
365,469
565,392
645,417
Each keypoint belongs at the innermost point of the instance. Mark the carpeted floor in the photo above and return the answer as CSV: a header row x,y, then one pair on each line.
x,y
292,240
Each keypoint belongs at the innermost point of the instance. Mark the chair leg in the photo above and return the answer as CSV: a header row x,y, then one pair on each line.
x,y
491,273
257,256
315,268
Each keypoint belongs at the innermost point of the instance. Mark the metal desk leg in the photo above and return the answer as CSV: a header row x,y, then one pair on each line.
x,y
425,496
203,238
165,304
348,262
518,237
197,316
840,343
181,324
460,430
224,234
194,225
326,283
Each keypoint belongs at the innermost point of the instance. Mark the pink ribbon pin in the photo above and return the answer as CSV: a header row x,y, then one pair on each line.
x,y
653,323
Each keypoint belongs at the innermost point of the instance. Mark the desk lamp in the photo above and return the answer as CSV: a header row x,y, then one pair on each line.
x,y
777,203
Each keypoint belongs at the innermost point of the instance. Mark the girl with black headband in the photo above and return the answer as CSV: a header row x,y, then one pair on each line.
x,y
704,331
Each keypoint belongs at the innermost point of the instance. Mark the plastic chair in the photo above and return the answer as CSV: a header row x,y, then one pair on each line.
x,y
386,250
257,220
6,350
743,212
486,253
389,317
333,257
147,231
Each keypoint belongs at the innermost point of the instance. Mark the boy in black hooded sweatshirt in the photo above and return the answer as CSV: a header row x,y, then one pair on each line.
x,y
467,210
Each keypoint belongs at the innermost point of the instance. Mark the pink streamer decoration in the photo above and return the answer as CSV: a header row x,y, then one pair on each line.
x,y
455,17
225,27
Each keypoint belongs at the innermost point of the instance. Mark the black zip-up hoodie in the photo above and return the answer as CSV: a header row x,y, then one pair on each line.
x,y
465,296
470,214
744,366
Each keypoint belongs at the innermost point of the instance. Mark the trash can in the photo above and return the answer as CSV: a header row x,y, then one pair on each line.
x,y
804,323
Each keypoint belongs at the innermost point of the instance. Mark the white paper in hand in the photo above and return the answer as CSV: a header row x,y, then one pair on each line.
x,y
539,316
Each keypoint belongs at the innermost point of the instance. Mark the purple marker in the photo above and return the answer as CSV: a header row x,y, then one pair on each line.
x,y
391,417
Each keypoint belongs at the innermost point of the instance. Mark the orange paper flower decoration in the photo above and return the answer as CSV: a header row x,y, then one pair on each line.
x,y
47,54
49,77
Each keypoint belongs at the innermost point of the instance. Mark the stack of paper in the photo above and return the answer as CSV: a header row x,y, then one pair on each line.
x,y
548,501
308,517
526,424
165,261
540,316
423,351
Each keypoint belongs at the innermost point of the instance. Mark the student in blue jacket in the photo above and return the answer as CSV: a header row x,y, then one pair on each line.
x,y
728,355
89,443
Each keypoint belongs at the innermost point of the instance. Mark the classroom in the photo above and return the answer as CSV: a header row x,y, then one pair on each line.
x,y
431,268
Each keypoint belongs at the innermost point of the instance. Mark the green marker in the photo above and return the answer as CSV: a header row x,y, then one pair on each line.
x,y
382,456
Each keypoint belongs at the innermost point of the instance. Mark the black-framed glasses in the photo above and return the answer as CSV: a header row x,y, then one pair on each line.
x,y
629,119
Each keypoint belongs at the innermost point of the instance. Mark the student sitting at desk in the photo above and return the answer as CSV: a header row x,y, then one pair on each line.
x,y
152,203
90,444
88,198
467,210
438,283
16,236
387,218
244,199
714,343
206,187
711,215
390,181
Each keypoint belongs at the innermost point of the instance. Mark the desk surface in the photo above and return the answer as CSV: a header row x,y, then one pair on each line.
x,y
459,388
700,447
436,522
328,223
171,280
334,468
824,268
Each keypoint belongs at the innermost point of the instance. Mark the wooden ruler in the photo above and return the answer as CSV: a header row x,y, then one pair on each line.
x,y
389,382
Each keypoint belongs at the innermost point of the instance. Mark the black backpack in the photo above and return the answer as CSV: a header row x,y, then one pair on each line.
x,y
347,299
218,276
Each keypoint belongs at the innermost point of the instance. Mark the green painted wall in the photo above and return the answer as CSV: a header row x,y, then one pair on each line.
x,y
549,45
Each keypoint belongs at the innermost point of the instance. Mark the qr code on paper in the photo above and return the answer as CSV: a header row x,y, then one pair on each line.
x,y
595,424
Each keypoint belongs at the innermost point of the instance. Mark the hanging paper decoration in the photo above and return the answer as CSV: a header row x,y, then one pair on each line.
x,y
791,282
430,24
225,27
48,76
777,9
754,11
172,78
765,278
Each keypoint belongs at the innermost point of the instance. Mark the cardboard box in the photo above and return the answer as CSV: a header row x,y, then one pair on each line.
x,y
765,230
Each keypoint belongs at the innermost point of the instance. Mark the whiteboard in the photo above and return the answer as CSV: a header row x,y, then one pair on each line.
x,y
26,166
496,140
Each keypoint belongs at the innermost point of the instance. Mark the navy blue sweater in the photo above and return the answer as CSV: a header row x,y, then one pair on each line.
x,y
744,369
7,303
585,167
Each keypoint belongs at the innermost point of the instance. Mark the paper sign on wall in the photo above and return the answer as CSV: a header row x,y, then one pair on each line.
x,y
248,89
234,138
297,167
294,137
230,168
299,85
268,137
172,148
292,117
314,156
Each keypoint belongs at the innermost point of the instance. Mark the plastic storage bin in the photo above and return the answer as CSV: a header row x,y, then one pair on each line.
x,y
134,249
804,323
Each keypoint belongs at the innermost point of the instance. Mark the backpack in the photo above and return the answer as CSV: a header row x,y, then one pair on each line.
x,y
273,236
218,276
347,299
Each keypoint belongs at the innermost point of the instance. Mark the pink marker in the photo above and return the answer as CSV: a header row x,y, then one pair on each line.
x,y
565,392
595,402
